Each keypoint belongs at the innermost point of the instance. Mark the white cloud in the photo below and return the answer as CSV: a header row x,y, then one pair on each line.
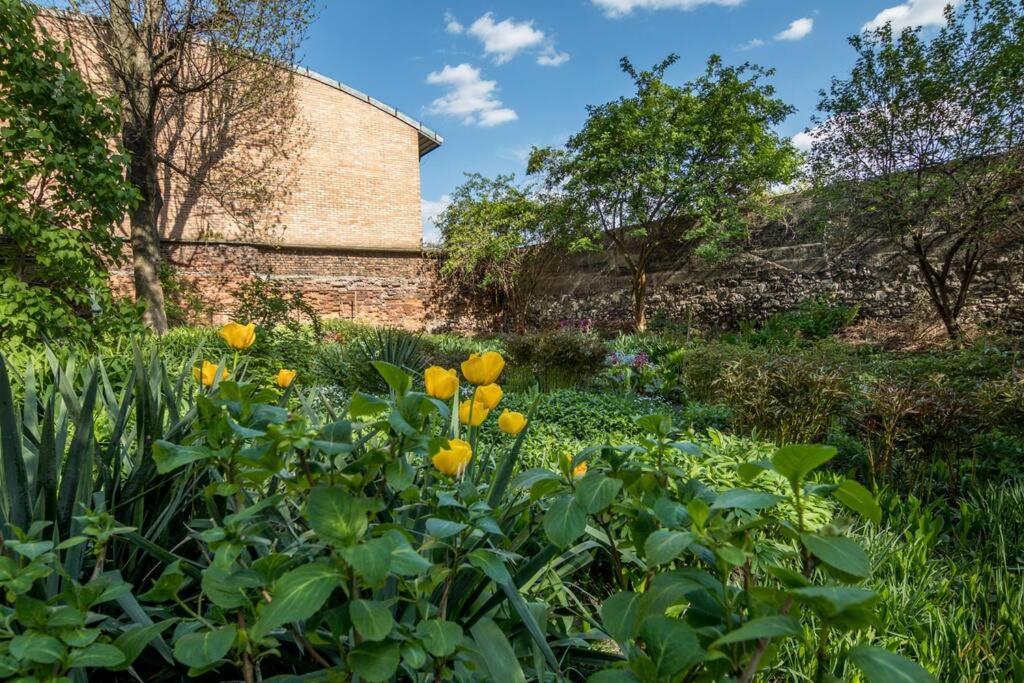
x,y
430,209
505,39
469,97
451,24
620,8
552,57
751,44
912,13
798,29
803,140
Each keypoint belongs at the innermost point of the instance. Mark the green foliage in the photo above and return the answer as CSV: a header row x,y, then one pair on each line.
x,y
556,359
672,163
271,303
350,364
62,192
491,234
812,319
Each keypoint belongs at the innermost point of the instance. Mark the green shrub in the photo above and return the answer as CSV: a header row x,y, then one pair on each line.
x,y
349,364
273,303
558,359
811,320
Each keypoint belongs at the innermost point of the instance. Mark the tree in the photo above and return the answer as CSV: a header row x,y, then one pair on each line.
x,y
207,97
921,147
496,237
673,164
62,190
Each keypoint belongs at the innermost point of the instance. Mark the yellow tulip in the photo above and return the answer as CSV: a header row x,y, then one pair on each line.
x,y
208,374
471,410
511,422
285,378
453,460
483,368
489,394
239,337
441,383
580,469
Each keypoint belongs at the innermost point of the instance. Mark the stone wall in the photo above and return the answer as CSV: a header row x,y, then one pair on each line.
x,y
383,287
775,274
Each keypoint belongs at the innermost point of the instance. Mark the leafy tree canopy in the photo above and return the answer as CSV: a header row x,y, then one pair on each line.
x,y
62,190
673,163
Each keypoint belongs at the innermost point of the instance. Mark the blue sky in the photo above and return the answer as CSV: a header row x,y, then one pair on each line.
x,y
495,77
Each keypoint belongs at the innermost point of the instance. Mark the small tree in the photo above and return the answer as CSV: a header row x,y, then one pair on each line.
x,y
673,164
207,97
496,237
922,146
62,190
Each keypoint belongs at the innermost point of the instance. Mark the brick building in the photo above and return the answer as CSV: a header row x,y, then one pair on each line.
x,y
349,230
342,222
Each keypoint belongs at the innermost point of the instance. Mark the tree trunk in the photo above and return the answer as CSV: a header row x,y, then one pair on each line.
x,y
145,238
639,291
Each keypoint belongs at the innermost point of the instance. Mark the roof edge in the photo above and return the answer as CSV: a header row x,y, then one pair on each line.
x,y
429,139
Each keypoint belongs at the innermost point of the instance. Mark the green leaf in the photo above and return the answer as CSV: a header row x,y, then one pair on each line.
x,y
171,456
371,559
36,647
297,596
844,606
619,615
375,661
338,517
854,496
135,639
596,491
97,655
664,545
443,528
762,627
671,644
371,618
441,638
405,561
491,564
496,655
882,666
13,464
797,461
839,553
613,676
564,521
204,648
397,379
744,499
363,405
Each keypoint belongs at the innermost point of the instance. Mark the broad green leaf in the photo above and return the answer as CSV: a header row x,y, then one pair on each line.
x,y
496,654
882,666
744,499
371,559
371,618
797,461
296,596
665,545
440,637
762,627
19,497
491,564
375,661
405,561
839,553
36,647
135,639
338,517
204,648
443,528
97,655
854,496
564,521
363,405
619,615
613,676
596,491
397,379
844,606
671,644
170,456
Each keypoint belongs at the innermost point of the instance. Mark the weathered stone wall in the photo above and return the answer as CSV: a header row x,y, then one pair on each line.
x,y
775,274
